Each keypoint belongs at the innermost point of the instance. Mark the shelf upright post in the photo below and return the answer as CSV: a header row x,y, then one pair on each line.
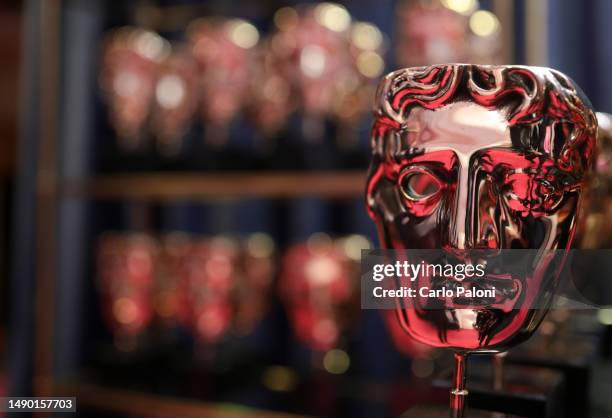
x,y
46,198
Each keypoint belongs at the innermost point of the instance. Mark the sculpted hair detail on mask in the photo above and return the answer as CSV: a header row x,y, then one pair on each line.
x,y
546,111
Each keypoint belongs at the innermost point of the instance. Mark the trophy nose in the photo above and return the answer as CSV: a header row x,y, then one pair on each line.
x,y
472,218
459,214
459,225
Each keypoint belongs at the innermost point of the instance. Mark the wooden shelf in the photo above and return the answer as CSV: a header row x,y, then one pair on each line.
x,y
134,403
222,185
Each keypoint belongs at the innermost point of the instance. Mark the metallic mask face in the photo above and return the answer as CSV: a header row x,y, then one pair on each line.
x,y
470,157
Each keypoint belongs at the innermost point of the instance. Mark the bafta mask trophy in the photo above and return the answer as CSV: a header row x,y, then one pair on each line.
x,y
470,157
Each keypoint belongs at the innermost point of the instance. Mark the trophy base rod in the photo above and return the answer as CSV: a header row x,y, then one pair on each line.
x,y
458,395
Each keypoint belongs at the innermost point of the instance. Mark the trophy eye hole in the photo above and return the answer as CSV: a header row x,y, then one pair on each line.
x,y
419,185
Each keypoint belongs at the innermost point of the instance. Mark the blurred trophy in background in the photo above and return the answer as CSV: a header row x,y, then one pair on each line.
x,y
170,297
469,158
440,31
314,284
309,47
253,289
270,99
224,52
318,284
210,274
175,100
356,85
126,266
130,59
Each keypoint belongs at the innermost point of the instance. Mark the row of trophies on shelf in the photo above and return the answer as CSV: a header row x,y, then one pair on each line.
x,y
317,60
220,285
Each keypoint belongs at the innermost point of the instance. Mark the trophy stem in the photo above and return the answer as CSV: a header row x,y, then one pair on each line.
x,y
458,391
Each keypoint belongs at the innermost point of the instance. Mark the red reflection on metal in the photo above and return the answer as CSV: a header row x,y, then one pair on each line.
x,y
480,157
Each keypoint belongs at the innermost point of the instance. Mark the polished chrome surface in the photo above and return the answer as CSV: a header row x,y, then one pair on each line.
x,y
480,157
